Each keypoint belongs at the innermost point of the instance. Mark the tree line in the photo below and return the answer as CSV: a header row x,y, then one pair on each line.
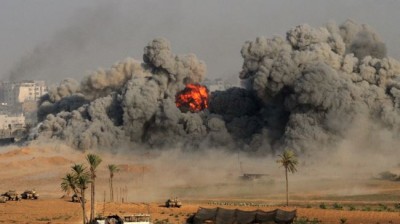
x,y
79,179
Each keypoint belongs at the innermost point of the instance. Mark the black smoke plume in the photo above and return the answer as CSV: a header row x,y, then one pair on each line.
x,y
304,91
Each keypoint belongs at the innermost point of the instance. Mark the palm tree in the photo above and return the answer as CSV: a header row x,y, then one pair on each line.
x,y
288,160
77,181
79,169
113,169
94,161
68,183
82,182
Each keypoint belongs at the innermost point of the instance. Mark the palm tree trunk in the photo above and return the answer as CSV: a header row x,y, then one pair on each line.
x,y
287,188
83,206
92,204
109,185
112,190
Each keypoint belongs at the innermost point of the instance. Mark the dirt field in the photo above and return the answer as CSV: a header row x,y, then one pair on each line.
x,y
63,211
144,186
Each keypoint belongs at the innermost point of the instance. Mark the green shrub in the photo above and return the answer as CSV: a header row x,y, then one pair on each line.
x,y
305,220
337,206
383,207
366,209
322,206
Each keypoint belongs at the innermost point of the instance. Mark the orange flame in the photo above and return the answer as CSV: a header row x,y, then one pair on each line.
x,y
193,98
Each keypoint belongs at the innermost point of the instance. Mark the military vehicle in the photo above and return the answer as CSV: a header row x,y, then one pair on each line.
x,y
253,177
173,203
3,199
12,195
30,194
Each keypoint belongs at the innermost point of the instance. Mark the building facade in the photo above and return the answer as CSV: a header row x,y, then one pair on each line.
x,y
12,122
19,92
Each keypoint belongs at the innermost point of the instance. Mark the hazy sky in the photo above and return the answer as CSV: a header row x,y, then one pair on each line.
x,y
53,40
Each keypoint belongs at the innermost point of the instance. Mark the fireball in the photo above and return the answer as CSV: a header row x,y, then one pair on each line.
x,y
193,98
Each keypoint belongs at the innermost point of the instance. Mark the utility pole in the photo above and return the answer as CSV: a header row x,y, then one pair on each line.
x,y
104,204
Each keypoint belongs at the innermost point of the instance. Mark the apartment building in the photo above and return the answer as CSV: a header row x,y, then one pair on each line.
x,y
19,92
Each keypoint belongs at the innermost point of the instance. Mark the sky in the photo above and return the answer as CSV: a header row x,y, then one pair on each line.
x,y
53,40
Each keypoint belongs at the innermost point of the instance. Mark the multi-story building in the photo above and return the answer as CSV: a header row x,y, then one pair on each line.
x,y
20,92
11,122
18,100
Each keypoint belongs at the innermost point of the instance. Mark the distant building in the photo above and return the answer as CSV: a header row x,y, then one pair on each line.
x,y
19,92
18,102
12,122
216,85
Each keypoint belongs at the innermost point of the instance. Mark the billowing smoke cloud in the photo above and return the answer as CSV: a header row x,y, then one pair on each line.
x,y
321,80
302,92
132,101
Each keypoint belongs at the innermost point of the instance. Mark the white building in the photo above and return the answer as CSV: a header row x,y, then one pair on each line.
x,y
11,122
20,92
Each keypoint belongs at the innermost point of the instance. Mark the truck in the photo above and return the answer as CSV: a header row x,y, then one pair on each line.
x,y
173,203
11,195
30,194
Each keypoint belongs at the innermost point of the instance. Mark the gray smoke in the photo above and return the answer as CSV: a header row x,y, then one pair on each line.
x,y
303,92
131,102
62,54
324,79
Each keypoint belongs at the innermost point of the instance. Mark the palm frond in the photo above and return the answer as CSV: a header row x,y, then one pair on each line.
x,y
68,183
93,160
78,169
113,168
288,160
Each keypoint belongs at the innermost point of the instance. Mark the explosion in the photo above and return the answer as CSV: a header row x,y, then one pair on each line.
x,y
307,91
193,98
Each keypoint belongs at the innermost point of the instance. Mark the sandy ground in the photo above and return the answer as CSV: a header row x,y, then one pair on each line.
x,y
63,211
144,186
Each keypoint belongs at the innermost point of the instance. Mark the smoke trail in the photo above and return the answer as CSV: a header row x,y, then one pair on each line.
x,y
52,59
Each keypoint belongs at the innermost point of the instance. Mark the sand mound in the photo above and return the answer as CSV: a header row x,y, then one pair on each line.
x,y
16,152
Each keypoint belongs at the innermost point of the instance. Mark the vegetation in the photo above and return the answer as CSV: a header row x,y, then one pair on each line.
x,y
322,206
112,169
77,181
305,220
94,161
337,206
289,161
366,209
